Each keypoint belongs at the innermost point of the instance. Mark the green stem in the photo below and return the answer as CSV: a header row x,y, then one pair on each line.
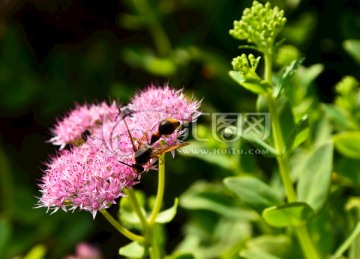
x,y
155,252
160,191
348,242
159,36
122,229
149,224
302,232
279,146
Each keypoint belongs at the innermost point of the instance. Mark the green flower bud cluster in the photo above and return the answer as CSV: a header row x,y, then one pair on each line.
x,y
244,64
346,86
259,25
348,94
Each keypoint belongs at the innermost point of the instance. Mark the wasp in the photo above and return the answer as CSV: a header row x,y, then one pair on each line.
x,y
145,150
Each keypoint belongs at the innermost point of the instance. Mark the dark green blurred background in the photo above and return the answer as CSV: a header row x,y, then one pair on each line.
x,y
57,53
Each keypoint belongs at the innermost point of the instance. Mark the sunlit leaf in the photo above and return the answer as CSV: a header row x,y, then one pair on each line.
x,y
267,246
353,48
132,250
256,254
286,75
209,154
253,192
167,215
37,252
336,115
261,145
286,116
348,143
252,83
203,196
292,214
181,256
298,134
314,182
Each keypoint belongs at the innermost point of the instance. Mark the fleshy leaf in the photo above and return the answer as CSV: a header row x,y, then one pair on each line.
x,y
167,215
299,134
286,75
37,252
251,82
132,250
204,151
353,48
286,116
314,182
181,256
260,144
292,214
252,191
348,143
267,246
204,196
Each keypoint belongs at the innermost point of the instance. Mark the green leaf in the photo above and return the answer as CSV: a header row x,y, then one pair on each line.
x,y
339,117
353,48
314,182
181,256
253,192
132,250
37,252
320,129
260,144
126,213
286,75
267,246
349,168
286,116
5,235
167,215
261,104
251,82
298,134
205,152
205,196
292,214
254,254
348,143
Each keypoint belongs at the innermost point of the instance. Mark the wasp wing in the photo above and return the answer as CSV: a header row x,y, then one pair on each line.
x,y
160,151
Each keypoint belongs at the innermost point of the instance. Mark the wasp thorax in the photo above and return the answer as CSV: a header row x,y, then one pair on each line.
x,y
143,154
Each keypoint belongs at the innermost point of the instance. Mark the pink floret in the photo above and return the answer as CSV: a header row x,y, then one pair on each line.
x,y
70,128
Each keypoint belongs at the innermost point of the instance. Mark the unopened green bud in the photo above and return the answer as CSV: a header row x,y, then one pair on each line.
x,y
244,63
259,25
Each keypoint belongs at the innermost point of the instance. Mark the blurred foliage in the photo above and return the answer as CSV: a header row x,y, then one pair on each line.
x,y
57,53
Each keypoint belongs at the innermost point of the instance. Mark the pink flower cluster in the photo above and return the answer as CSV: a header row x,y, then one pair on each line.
x,y
89,175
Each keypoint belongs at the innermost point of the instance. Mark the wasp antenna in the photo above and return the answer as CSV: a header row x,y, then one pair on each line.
x,y
127,128
124,163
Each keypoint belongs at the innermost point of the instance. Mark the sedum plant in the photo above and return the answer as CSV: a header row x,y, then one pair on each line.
x,y
290,207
